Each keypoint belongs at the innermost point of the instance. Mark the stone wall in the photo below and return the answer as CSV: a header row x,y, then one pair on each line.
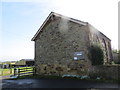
x,y
98,38
56,44
55,47
106,72
75,68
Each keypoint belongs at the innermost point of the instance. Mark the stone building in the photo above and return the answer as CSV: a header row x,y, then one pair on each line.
x,y
61,46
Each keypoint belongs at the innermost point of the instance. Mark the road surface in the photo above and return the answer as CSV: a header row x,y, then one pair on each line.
x,y
55,83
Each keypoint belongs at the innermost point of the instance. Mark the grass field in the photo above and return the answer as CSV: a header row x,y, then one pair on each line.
x,y
5,72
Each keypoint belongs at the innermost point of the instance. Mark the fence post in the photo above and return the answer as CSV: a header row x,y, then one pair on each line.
x,y
18,70
26,69
33,71
10,70
14,71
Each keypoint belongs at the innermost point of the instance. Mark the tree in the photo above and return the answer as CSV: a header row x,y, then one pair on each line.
x,y
119,57
116,56
96,55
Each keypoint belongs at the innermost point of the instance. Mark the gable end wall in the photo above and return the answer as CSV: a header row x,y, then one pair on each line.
x,y
55,47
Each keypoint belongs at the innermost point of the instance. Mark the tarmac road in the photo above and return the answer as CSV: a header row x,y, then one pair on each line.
x,y
55,83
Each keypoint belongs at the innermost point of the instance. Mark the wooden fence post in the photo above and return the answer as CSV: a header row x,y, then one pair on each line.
x,y
18,71
34,71
14,71
25,69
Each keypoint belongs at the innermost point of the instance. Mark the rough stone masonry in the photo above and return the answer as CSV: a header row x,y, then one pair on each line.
x,y
61,46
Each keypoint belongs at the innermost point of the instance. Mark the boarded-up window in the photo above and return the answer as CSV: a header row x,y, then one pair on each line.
x,y
79,55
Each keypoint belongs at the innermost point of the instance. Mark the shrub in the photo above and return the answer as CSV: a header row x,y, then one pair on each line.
x,y
96,55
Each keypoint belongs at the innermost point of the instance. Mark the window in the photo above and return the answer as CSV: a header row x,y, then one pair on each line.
x,y
97,38
79,55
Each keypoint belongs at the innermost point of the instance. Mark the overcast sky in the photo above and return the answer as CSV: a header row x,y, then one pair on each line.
x,y
22,18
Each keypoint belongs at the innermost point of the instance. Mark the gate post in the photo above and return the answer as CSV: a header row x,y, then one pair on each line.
x,y
18,71
34,71
14,71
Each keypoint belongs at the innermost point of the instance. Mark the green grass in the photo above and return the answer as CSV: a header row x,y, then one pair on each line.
x,y
5,72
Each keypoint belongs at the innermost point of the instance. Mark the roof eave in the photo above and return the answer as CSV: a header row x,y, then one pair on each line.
x,y
100,32
59,15
33,39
